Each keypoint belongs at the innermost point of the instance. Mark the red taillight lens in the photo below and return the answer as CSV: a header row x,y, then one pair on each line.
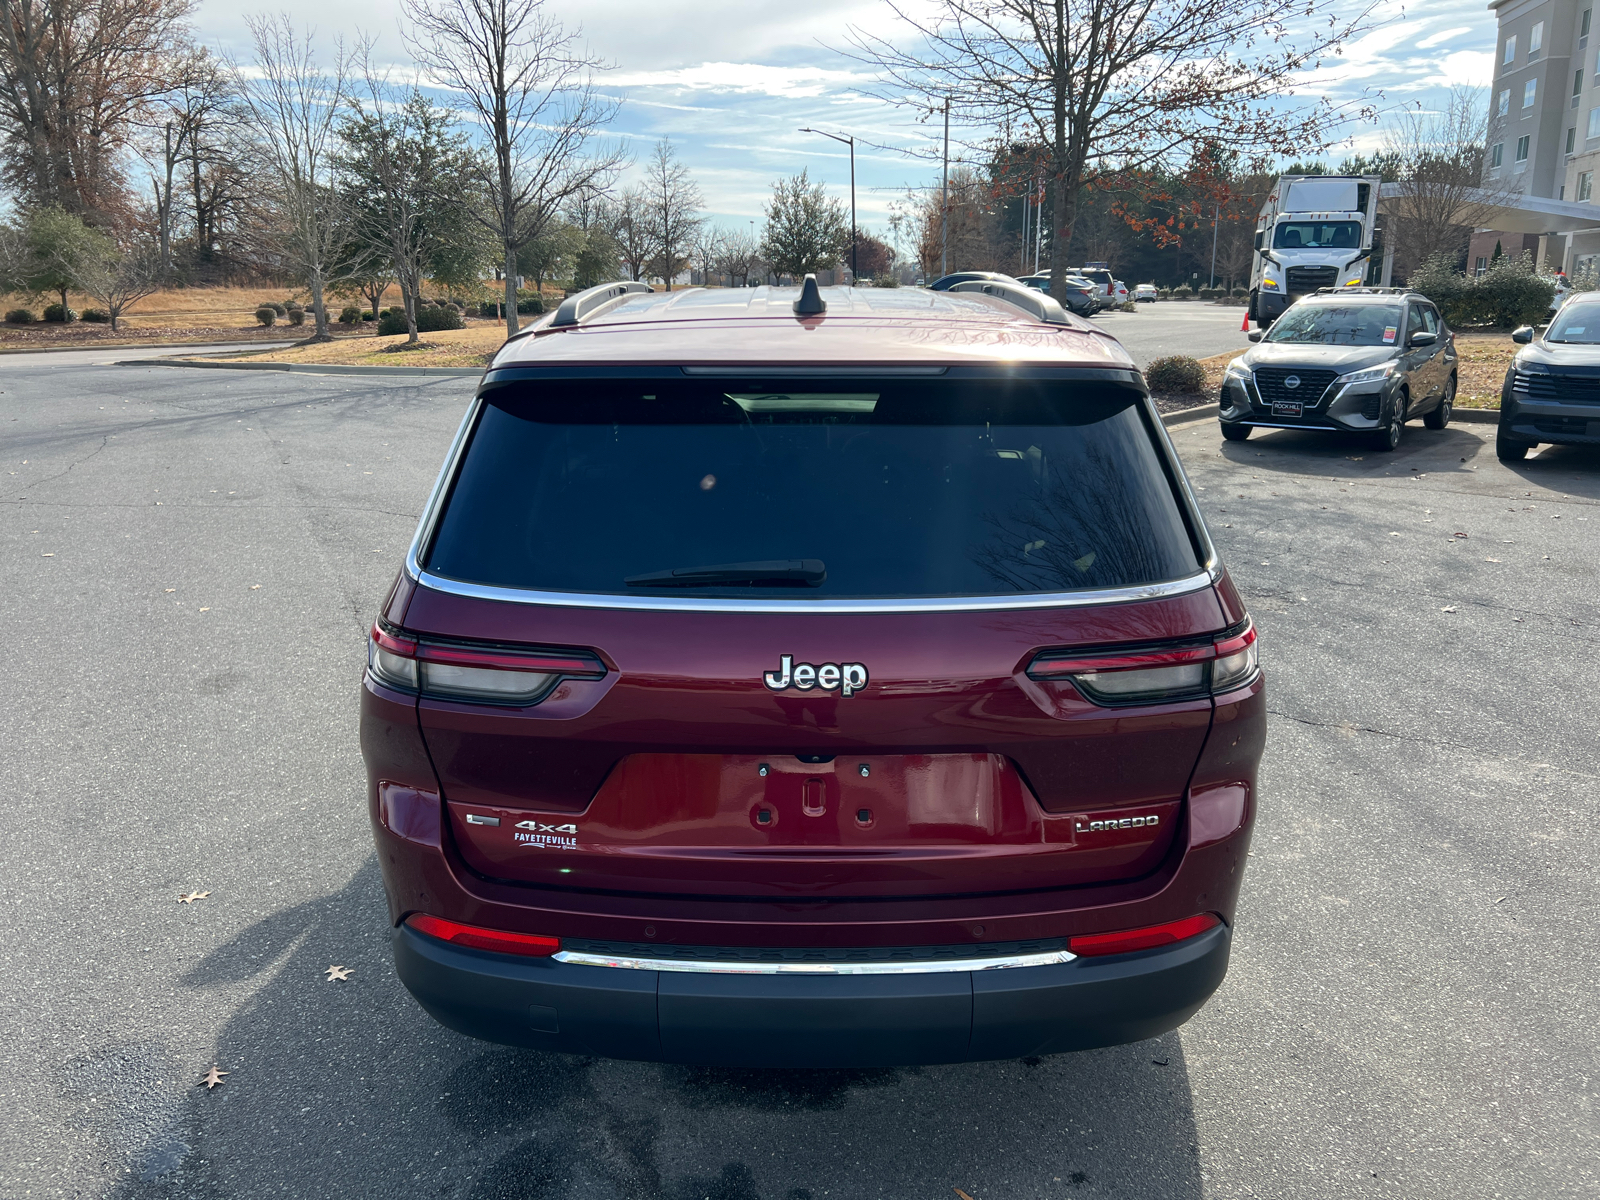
x,y
528,944
484,673
1153,673
1236,660
1125,941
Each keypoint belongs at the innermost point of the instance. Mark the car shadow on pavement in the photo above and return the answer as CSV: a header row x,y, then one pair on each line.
x,y
1574,469
346,1088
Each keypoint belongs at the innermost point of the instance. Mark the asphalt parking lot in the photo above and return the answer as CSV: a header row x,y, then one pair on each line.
x,y
193,559
1176,327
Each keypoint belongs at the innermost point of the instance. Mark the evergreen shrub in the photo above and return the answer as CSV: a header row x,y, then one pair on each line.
x,y
1176,374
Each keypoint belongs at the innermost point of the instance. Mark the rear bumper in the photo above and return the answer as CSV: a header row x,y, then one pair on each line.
x,y
811,1020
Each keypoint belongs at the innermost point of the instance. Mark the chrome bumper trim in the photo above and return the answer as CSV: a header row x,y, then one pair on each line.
x,y
1044,959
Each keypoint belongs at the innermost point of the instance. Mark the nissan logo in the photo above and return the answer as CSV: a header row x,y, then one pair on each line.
x,y
1292,382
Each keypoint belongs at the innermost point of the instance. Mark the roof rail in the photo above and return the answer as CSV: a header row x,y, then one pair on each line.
x,y
1046,308
1364,289
575,310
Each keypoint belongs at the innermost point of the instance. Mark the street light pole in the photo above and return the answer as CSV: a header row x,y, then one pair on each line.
x,y
1214,218
944,198
851,142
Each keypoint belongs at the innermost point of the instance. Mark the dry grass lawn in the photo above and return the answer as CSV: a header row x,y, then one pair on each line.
x,y
1485,355
469,347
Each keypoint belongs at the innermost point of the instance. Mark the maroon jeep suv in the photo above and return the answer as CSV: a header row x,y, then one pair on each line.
x,y
799,677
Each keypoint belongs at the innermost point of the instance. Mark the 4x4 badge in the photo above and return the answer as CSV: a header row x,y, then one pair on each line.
x,y
541,827
847,678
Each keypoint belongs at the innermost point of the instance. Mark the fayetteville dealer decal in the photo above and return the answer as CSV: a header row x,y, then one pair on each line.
x,y
537,833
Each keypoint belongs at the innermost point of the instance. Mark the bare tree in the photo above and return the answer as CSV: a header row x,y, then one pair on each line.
x,y
634,233
706,246
1115,85
177,127
120,276
738,256
1442,195
293,106
74,74
675,205
530,86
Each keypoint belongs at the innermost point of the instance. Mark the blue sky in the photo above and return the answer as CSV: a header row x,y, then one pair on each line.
x,y
732,81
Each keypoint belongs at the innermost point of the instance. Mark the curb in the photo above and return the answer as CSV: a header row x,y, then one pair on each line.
x,y
1184,415
310,368
197,346
1469,416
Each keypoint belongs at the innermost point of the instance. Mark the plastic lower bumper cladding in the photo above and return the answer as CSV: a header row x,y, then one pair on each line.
x,y
1554,423
812,1020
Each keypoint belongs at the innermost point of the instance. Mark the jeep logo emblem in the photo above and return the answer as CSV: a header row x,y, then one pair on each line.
x,y
1292,381
847,678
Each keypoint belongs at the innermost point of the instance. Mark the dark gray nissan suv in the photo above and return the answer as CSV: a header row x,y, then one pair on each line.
x,y
1352,360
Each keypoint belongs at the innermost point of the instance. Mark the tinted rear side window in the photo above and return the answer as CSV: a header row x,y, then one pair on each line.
x,y
902,489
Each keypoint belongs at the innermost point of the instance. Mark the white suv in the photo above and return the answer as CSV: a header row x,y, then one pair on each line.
x,y
1112,291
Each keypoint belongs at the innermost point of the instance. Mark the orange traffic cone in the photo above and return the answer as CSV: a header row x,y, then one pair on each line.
x,y
1244,326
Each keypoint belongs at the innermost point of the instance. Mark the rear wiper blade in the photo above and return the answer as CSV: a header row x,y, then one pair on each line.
x,y
783,572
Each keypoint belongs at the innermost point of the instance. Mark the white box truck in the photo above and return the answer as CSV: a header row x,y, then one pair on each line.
x,y
1314,231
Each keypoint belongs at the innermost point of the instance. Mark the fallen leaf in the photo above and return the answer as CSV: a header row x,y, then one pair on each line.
x,y
255,587
962,1194
1393,533
1358,458
47,556
205,610
1448,608
337,973
213,1077
191,897
172,589
1459,535
1491,560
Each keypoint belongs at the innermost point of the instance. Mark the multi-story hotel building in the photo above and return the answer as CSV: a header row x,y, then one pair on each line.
x,y
1544,124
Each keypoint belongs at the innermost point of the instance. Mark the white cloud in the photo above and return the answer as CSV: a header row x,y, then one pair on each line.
x,y
789,83
1444,35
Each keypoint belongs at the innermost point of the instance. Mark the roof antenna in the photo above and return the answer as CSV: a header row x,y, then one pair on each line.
x,y
811,302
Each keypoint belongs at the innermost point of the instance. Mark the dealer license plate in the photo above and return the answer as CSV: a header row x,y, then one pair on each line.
x,y
1287,408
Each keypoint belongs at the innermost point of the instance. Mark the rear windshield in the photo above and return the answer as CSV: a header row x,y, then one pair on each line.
x,y
1338,325
879,488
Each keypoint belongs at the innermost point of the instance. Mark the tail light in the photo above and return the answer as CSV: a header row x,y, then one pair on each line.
x,y
1126,941
485,674
1152,673
531,945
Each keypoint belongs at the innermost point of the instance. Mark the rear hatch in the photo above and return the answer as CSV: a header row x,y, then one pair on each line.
x,y
791,638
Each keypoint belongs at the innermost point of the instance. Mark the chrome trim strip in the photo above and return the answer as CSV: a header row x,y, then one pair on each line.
x,y
717,604
699,966
1212,569
430,511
